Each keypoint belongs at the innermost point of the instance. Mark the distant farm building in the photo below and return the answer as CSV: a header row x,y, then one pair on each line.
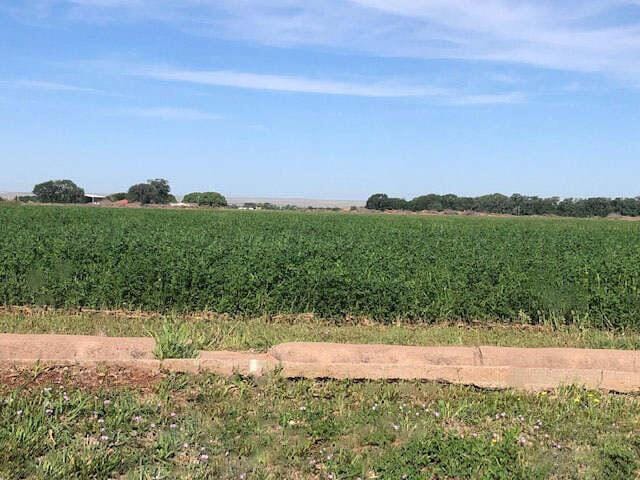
x,y
94,198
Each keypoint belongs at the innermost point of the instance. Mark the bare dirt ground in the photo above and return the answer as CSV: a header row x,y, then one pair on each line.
x,y
90,378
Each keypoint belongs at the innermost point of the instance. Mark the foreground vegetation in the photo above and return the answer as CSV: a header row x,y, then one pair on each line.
x,y
211,427
100,424
583,272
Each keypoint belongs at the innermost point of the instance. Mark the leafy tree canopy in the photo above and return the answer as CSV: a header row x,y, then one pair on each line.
x,y
154,191
210,199
516,204
59,191
192,197
381,201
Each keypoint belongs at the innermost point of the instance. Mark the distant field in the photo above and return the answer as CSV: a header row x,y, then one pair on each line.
x,y
334,265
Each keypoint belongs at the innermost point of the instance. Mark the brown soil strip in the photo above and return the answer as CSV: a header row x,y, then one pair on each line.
x,y
90,378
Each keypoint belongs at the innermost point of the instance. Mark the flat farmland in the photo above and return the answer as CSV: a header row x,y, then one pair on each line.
x,y
334,265
245,281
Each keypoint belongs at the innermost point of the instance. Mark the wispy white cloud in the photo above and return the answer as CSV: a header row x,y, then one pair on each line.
x,y
589,36
489,99
298,84
50,86
170,113
285,83
584,36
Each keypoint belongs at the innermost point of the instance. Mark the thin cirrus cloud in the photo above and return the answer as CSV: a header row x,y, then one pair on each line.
x,y
299,84
51,86
170,113
587,36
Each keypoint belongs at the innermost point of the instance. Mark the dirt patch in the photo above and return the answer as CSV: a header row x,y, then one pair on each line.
x,y
91,378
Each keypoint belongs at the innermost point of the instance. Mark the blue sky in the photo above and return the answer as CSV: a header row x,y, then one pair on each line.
x,y
323,99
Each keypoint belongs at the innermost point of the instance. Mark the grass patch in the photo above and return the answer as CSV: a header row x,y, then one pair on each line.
x,y
174,340
205,426
220,332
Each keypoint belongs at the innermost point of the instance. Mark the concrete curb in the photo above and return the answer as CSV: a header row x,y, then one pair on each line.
x,y
486,367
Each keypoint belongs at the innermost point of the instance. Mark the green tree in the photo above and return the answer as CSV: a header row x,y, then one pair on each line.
x,y
163,190
376,201
154,191
143,193
209,199
212,199
59,191
192,197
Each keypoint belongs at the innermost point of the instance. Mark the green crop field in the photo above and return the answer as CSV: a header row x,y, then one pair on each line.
x,y
384,267
249,280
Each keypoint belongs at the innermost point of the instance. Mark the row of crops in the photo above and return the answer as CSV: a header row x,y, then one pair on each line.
x,y
335,265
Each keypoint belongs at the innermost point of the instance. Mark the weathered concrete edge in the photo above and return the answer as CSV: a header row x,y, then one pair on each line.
x,y
483,366
490,377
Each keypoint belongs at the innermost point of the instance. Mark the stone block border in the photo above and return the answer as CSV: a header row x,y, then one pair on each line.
x,y
484,366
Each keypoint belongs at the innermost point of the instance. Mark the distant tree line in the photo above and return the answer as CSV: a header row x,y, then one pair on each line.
x,y
154,191
515,204
265,206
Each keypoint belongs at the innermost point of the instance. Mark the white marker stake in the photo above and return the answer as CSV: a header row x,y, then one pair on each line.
x,y
254,366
